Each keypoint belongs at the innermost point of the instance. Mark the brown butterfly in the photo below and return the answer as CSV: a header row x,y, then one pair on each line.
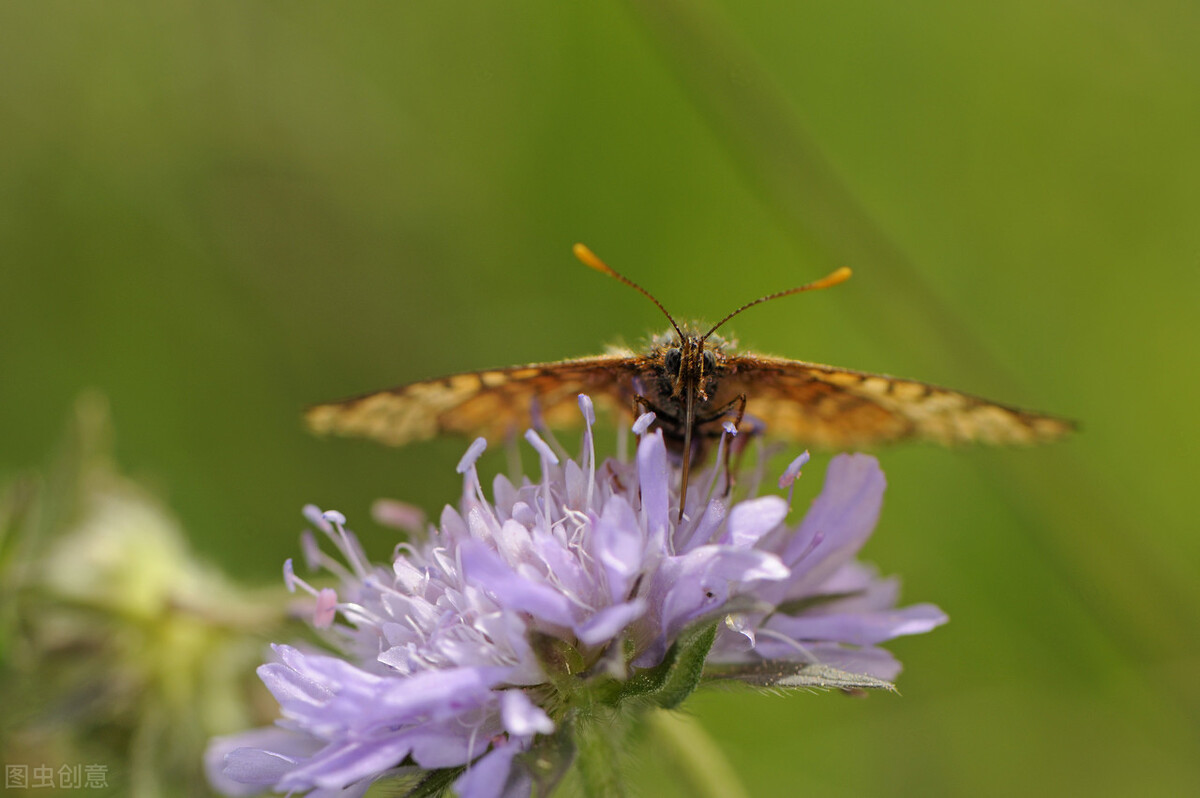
x,y
693,383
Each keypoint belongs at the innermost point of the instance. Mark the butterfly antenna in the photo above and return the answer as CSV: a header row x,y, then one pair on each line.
x,y
590,260
839,276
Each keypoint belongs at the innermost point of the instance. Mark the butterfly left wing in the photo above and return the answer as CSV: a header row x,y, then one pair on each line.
x,y
491,403
830,407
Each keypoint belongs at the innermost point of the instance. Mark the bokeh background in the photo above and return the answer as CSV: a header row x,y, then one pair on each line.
x,y
218,212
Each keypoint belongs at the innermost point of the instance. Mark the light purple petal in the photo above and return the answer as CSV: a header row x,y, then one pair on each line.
x,y
445,746
860,629
241,764
492,776
577,484
704,529
509,631
513,540
655,482
521,717
329,696
873,661
557,564
409,578
256,766
618,545
736,565
606,624
700,580
751,519
485,568
504,495
842,517
862,588
322,668
433,694
290,688
339,766
452,525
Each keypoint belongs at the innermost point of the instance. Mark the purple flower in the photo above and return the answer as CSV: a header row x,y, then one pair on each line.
x,y
467,650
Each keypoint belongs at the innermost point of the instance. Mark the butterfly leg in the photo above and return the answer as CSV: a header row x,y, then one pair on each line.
x,y
740,402
737,425
642,405
746,432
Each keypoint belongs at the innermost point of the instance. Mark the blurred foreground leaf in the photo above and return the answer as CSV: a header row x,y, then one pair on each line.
x,y
119,648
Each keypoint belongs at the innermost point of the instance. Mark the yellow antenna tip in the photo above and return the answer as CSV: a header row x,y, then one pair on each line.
x,y
838,276
589,259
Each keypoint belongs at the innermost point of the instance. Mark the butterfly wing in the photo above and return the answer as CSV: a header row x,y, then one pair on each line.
x,y
492,403
830,407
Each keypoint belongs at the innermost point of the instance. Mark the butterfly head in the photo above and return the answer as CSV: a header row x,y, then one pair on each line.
x,y
688,362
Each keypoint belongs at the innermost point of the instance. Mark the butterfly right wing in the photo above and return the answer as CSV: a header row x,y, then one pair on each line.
x,y
831,407
492,403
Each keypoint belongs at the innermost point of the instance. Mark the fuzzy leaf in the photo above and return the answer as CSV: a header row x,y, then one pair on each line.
x,y
784,674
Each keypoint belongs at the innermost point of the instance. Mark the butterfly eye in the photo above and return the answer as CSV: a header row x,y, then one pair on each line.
x,y
710,362
672,361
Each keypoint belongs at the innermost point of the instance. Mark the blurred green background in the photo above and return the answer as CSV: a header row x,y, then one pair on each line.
x,y
219,212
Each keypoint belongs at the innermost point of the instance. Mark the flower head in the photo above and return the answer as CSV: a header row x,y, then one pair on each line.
x,y
467,649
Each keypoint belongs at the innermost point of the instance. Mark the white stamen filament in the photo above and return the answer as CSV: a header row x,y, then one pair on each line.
x,y
762,631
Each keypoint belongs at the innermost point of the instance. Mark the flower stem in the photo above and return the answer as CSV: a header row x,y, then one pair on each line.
x,y
696,758
597,740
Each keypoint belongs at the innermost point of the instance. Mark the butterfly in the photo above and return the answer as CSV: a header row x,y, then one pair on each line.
x,y
695,383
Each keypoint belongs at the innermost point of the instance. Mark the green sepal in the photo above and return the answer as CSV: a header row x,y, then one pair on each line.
x,y
672,680
436,783
560,661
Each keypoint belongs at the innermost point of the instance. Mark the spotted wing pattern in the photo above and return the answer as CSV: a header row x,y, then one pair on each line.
x,y
830,407
492,403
